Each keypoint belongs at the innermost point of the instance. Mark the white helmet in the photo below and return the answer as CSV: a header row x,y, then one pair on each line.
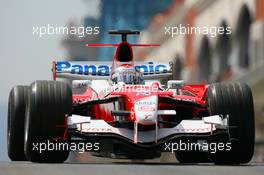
x,y
127,75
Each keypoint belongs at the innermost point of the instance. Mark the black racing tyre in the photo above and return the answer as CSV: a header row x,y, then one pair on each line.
x,y
16,119
49,103
234,99
192,157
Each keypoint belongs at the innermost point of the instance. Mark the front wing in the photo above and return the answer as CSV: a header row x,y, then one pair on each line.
x,y
206,125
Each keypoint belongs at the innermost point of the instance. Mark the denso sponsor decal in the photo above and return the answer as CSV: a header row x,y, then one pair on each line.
x,y
103,68
146,108
145,103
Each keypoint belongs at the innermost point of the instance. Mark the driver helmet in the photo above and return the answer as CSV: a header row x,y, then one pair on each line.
x,y
127,75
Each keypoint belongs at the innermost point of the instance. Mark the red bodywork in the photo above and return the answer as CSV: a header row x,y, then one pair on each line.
x,y
196,94
189,93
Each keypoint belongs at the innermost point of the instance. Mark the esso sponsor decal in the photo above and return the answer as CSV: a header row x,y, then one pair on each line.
x,y
146,108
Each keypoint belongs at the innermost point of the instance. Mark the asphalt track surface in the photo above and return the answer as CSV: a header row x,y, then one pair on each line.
x,y
106,168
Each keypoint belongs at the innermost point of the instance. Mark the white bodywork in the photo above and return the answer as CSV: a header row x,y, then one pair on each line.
x,y
146,110
205,125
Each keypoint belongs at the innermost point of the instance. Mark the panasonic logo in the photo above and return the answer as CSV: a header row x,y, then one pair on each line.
x,y
104,69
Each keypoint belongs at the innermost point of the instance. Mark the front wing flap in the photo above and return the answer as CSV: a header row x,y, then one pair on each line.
x,y
207,125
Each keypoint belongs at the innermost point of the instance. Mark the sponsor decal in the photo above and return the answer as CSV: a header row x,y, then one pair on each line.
x,y
75,68
100,69
195,130
97,130
80,99
187,99
145,103
147,116
146,93
81,84
150,68
146,108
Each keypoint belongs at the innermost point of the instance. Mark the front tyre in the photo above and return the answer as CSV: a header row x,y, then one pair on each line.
x,y
49,103
192,157
234,99
16,119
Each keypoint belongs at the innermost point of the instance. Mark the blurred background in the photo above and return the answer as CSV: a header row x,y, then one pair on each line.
x,y
197,58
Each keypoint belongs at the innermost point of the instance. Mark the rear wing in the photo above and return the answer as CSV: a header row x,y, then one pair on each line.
x,y
101,70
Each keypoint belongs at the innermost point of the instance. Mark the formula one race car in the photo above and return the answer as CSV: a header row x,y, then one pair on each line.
x,y
123,109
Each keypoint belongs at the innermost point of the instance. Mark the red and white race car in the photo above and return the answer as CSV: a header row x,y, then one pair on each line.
x,y
127,109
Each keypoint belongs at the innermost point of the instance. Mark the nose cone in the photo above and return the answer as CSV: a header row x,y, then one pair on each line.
x,y
146,110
